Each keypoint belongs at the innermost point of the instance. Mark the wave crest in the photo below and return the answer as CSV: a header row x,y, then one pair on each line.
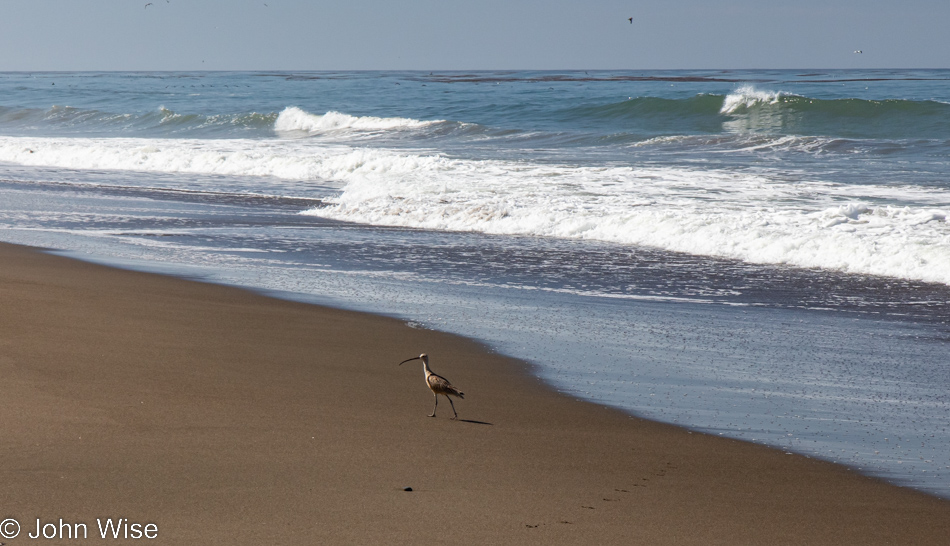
x,y
294,119
747,97
162,121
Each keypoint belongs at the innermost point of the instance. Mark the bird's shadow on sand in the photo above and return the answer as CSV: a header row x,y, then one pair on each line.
x,y
474,422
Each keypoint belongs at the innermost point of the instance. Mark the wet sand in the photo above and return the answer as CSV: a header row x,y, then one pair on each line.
x,y
226,417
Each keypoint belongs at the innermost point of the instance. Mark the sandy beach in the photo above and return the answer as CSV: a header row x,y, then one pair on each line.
x,y
225,417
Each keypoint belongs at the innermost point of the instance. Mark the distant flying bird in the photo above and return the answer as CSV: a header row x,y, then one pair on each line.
x,y
437,384
631,20
858,51
147,5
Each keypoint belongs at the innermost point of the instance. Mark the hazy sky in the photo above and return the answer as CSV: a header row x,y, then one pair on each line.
x,y
473,34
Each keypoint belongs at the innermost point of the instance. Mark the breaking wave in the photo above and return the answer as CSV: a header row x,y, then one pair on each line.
x,y
295,119
703,212
751,110
870,229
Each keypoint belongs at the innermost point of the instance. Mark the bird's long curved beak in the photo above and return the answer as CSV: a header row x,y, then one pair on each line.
x,y
408,359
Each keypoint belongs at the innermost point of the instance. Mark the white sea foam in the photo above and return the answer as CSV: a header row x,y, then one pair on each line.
x,y
287,159
755,217
746,97
294,119
744,141
717,213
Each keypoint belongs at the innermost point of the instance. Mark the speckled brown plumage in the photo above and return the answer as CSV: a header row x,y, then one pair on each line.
x,y
437,384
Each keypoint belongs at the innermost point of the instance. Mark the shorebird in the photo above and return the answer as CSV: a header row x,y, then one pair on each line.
x,y
437,384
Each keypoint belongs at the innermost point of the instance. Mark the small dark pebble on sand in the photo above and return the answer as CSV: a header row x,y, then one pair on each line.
x,y
407,489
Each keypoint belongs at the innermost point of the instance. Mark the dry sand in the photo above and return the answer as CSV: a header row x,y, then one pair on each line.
x,y
226,417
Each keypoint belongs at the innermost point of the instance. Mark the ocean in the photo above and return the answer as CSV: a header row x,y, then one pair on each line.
x,y
763,255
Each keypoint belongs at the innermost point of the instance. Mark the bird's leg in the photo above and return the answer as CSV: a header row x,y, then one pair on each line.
x,y
453,408
435,406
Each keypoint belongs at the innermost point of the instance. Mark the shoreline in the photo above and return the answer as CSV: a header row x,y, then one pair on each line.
x,y
544,359
223,415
